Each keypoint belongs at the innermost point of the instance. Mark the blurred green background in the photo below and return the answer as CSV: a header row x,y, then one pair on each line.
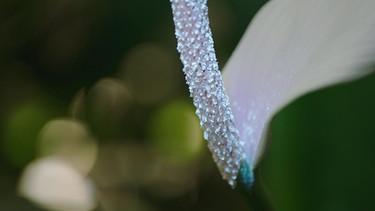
x,y
99,83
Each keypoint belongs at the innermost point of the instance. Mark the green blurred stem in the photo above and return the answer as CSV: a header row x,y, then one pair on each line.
x,y
256,199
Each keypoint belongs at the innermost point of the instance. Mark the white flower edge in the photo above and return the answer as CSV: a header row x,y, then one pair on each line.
x,y
293,47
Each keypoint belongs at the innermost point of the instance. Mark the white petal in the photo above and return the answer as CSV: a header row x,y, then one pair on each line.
x,y
293,47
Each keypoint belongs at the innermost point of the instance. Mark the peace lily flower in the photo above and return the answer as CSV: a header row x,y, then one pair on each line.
x,y
292,47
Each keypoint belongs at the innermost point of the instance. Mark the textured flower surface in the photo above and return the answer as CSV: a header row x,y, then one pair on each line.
x,y
202,74
292,47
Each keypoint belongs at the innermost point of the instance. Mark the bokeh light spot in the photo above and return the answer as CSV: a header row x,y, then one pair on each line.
x,y
175,133
71,140
107,104
21,132
152,72
53,184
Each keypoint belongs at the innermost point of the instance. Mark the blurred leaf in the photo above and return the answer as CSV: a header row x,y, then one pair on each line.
x,y
22,129
175,132
322,151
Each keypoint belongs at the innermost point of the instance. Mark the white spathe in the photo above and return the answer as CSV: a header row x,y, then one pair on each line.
x,y
293,47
